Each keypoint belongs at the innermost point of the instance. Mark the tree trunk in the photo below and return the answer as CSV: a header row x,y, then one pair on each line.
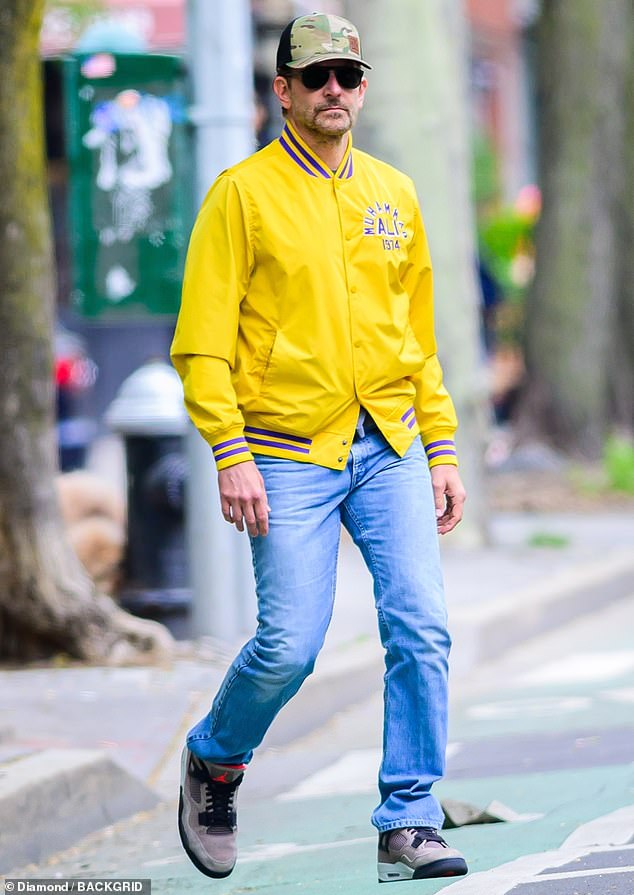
x,y
47,603
416,118
622,359
572,309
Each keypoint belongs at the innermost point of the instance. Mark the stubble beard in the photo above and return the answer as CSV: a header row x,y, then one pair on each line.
x,y
331,126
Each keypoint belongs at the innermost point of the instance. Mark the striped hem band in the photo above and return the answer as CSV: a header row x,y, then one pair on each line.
x,y
278,440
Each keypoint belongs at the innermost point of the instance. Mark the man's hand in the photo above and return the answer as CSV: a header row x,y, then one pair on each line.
x,y
449,497
243,498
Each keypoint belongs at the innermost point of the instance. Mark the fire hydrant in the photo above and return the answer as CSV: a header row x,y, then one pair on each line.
x,y
149,414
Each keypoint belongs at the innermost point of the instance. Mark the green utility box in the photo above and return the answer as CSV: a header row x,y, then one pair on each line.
x,y
130,180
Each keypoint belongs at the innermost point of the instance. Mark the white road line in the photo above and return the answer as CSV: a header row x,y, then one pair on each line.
x,y
282,849
452,749
535,707
581,874
619,694
501,880
615,829
582,668
353,773
271,851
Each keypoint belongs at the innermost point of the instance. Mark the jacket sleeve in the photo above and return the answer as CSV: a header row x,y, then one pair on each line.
x,y
217,271
435,411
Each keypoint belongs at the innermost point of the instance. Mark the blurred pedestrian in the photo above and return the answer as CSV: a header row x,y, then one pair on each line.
x,y
306,347
492,298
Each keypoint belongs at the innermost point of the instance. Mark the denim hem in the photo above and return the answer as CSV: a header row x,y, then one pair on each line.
x,y
190,742
405,824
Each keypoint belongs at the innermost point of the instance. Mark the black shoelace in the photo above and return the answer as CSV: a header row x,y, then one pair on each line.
x,y
425,834
220,812
422,834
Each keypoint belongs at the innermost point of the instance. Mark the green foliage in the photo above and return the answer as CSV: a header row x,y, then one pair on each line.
x,y
506,247
485,178
618,461
503,237
548,539
76,14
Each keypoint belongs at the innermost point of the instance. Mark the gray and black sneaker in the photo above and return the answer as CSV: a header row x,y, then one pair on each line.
x,y
417,853
207,813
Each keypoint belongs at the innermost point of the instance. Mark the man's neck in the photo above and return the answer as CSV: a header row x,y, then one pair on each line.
x,y
330,149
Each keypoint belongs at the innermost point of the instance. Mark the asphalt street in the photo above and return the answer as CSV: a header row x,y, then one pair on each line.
x,y
547,731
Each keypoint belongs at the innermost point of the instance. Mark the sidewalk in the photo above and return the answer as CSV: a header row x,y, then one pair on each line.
x,y
111,737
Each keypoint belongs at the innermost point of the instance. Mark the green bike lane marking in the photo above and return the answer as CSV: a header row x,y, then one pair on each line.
x,y
321,846
597,697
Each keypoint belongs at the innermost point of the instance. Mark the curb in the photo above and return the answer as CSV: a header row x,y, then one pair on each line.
x,y
53,798
354,671
485,631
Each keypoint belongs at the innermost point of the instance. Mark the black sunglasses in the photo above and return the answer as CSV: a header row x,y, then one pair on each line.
x,y
315,76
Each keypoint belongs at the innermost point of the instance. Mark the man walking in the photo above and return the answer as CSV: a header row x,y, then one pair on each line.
x,y
306,347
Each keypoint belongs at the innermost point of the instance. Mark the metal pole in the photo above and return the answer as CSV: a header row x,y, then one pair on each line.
x,y
221,72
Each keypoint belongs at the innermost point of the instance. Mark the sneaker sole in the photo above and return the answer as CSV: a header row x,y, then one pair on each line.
x,y
393,873
214,874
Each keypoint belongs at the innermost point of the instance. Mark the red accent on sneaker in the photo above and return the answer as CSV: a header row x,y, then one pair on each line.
x,y
222,778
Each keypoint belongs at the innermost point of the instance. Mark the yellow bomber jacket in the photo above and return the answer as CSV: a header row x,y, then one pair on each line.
x,y
308,294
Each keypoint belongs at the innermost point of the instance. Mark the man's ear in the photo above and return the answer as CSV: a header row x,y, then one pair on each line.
x,y
282,89
363,88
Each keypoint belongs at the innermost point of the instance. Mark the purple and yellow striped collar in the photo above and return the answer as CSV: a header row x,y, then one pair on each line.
x,y
306,159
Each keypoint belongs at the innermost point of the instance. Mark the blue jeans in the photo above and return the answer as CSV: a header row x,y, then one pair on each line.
x,y
386,504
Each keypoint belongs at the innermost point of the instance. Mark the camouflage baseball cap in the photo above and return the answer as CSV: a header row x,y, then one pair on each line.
x,y
318,38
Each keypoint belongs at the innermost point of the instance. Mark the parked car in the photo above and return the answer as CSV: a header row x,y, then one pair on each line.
x,y
75,376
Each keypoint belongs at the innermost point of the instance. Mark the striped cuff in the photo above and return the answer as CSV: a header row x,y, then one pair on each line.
x,y
231,451
441,451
